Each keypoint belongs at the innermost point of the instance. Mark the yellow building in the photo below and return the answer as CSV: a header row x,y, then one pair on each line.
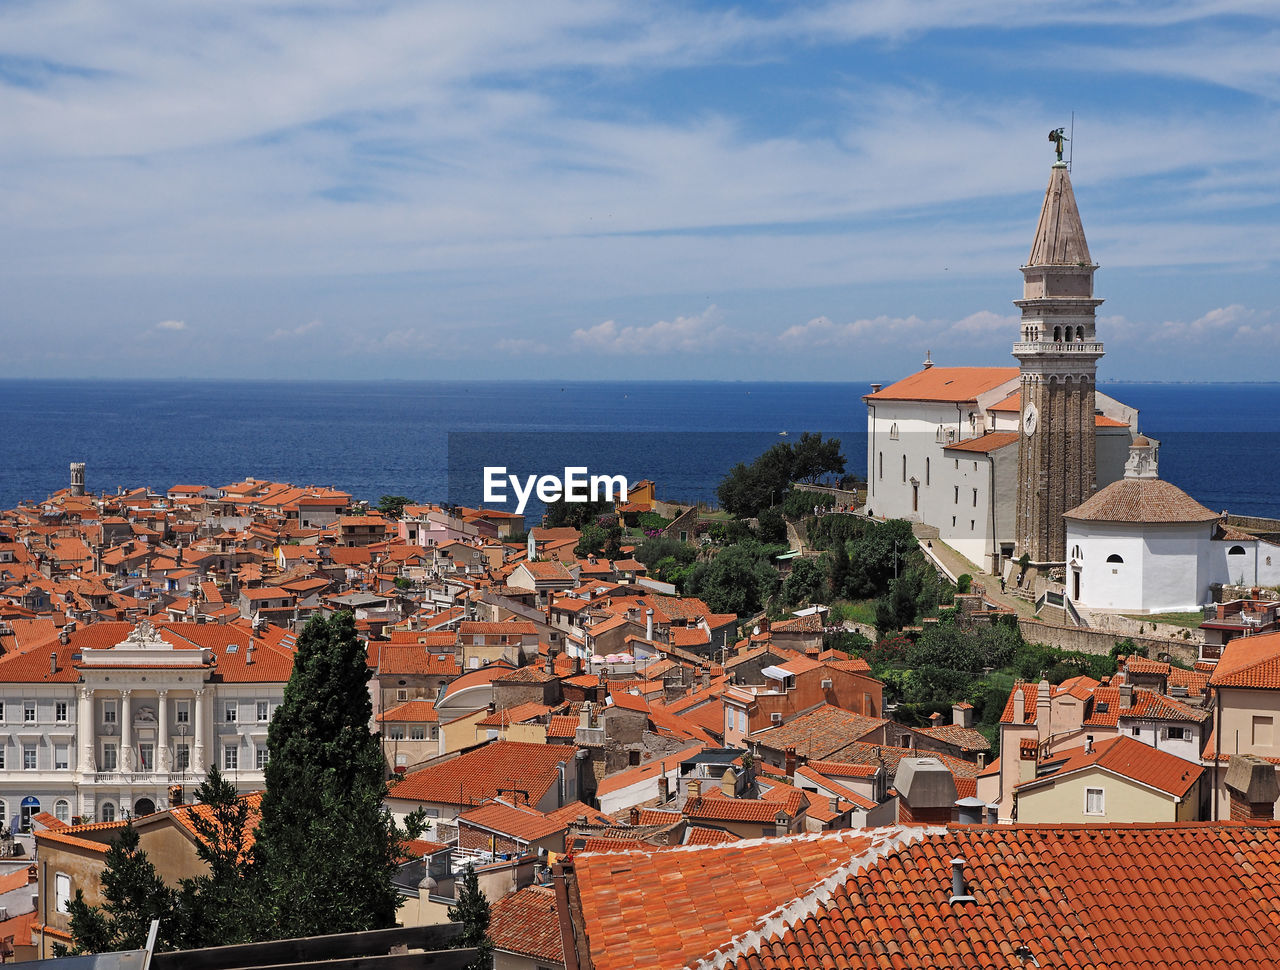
x,y
1115,781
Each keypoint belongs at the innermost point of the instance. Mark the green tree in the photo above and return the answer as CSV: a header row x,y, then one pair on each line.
x,y
133,895
222,906
392,506
814,457
472,911
805,582
773,527
738,579
560,513
878,555
326,847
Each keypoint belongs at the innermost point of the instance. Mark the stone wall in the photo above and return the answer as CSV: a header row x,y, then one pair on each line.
x,y
1100,642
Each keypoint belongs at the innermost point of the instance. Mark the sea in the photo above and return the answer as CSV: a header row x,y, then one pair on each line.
x,y
431,440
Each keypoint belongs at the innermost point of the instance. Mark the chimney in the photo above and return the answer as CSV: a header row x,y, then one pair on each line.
x,y
969,811
33,874
875,388
493,708
635,815
53,662
959,891
663,790
248,654
982,760
695,788
648,624
789,762
1252,788
782,824
729,783
64,637
834,804
962,715
935,720
926,791
1043,707
1088,744
551,661
1019,705
1126,696
706,676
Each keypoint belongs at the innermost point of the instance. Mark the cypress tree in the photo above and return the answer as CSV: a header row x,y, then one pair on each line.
x,y
472,911
326,848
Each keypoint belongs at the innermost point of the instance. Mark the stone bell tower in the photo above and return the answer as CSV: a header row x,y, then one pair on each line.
x,y
1058,353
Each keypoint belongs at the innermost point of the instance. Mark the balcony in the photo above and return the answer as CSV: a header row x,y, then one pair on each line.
x,y
1083,348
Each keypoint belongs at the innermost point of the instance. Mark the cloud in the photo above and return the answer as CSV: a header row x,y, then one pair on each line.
x,y
701,332
291,333
884,330
171,325
1222,326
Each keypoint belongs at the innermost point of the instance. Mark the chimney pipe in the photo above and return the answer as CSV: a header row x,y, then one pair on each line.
x,y
789,762
834,804
695,788
648,624
53,662
635,815
959,892
663,790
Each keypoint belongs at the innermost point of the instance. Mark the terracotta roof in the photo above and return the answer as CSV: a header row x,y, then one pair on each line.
x,y
525,922
528,824
633,776
1148,704
966,739
1128,758
505,716
477,775
562,726
1102,421
1011,403
700,835
716,807
1249,662
416,711
1120,896
1141,500
945,384
820,733
809,623
987,443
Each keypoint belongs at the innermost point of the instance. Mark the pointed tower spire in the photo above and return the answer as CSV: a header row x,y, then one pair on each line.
x,y
1059,238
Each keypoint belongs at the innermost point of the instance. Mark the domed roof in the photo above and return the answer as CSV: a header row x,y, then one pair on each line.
x,y
1141,500
1141,441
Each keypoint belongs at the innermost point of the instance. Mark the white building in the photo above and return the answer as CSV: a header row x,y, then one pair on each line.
x,y
1142,545
942,449
111,719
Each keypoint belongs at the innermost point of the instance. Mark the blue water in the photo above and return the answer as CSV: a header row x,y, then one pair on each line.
x,y
393,437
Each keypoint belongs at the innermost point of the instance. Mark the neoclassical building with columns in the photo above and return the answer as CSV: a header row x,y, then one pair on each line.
x,y
115,719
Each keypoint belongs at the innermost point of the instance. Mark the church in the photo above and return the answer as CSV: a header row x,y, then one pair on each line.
x,y
994,456
1034,461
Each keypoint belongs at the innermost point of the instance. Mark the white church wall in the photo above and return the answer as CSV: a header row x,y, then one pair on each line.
x,y
1173,579
1106,585
902,444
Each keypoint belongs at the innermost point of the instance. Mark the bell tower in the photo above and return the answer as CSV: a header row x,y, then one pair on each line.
x,y
1058,354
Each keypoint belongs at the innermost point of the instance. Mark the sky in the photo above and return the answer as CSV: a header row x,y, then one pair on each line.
x,y
600,189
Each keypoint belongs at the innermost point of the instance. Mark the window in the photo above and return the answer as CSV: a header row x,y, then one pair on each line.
x,y
229,712
61,889
893,431
108,757
62,810
1236,551
904,468
108,712
402,694
1135,730
926,471
975,498
2,814
28,711
953,521
231,756
260,757
881,468
108,812
264,711
60,712
1177,734
1114,558
1093,803
182,712
972,525
417,732
146,757
28,757
395,732
957,494
61,756
2,702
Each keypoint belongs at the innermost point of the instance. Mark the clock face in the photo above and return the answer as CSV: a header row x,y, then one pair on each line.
x,y
1029,419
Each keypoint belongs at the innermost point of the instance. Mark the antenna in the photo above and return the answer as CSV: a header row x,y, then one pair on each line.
x,y
1071,151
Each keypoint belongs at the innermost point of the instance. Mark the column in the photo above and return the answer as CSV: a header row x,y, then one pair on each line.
x,y
87,731
197,759
126,731
162,727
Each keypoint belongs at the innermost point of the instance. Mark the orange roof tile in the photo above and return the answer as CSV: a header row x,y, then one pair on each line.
x,y
945,384
525,922
987,443
415,711
476,776
1128,758
1249,662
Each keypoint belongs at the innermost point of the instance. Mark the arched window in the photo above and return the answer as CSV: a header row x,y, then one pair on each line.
x,y
108,812
1057,334
1076,553
1268,560
1236,551
893,431
1079,333
1114,558
926,471
882,464
904,468
62,810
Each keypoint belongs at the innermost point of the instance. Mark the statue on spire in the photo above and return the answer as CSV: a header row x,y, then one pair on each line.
x,y
1057,136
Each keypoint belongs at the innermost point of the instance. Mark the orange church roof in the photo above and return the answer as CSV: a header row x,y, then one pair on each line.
x,y
945,384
